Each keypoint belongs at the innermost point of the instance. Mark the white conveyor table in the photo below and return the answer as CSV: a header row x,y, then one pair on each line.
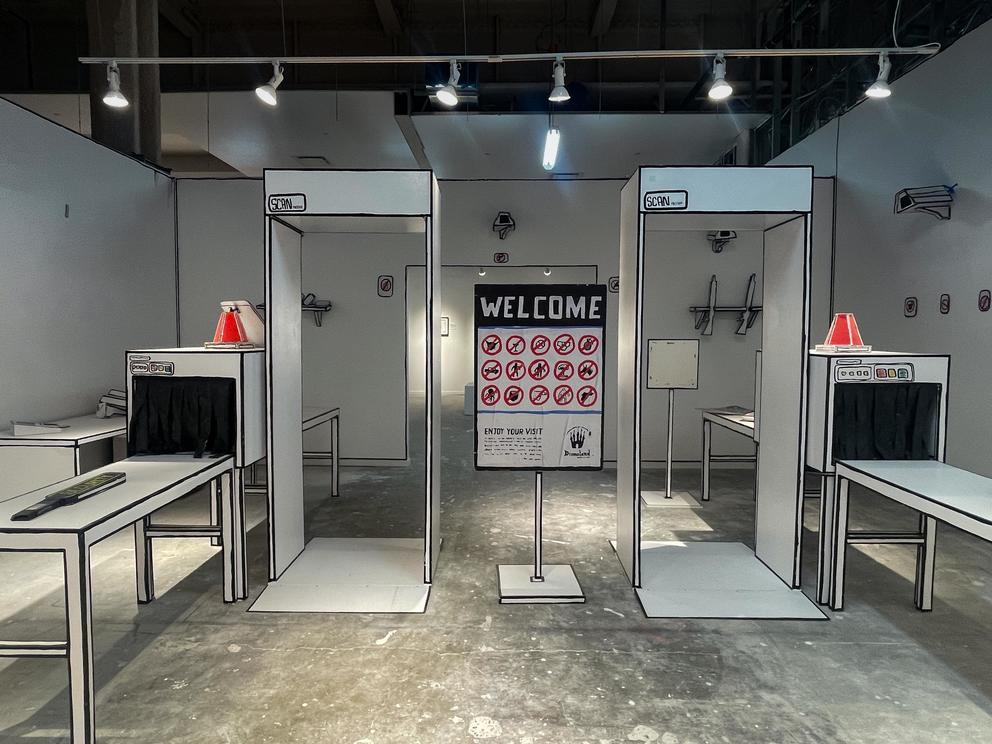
x,y
741,423
152,483
314,416
939,492
38,460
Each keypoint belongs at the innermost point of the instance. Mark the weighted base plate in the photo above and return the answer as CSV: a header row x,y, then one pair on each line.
x,y
560,585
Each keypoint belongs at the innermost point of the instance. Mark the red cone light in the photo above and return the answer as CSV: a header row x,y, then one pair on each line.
x,y
844,336
230,329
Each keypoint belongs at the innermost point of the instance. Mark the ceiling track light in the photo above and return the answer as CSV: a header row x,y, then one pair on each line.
x,y
113,97
547,271
447,95
267,93
880,88
720,89
551,142
482,271
559,94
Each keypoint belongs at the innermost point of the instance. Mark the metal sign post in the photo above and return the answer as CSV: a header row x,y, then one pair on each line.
x,y
538,525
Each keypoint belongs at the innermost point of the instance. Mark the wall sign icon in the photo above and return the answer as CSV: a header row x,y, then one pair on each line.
x,y
588,369
489,395
563,395
945,304
385,285
909,307
589,345
666,201
539,369
501,257
513,395
492,344
564,344
613,284
587,396
491,369
984,300
539,395
516,345
516,370
540,344
564,370
279,203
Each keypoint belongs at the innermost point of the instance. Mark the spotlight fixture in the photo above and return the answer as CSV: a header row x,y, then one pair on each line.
x,y
267,93
113,97
551,148
482,271
880,88
720,89
448,95
547,271
559,94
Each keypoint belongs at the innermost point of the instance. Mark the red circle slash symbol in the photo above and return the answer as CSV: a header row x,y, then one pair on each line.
x,y
587,396
564,370
563,395
565,344
513,395
539,369
540,344
491,369
490,395
984,300
516,345
588,369
492,344
539,395
516,369
588,345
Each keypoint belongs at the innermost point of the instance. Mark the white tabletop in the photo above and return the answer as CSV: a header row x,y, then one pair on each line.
x,y
958,490
81,428
315,412
740,422
146,476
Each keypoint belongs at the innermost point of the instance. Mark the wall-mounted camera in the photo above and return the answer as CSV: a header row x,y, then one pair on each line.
x,y
720,239
503,225
933,200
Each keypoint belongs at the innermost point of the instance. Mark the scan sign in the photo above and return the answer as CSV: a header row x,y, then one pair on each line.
x,y
539,352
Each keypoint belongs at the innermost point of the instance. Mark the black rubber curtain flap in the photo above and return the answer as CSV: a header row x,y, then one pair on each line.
x,y
183,414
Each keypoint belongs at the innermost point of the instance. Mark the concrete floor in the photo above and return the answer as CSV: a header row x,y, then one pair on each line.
x,y
188,668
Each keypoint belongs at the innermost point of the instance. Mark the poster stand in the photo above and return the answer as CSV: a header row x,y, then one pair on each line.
x,y
538,584
673,364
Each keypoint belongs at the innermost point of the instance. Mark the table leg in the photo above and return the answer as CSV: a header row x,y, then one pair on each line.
x,y
226,485
825,554
839,534
707,445
925,555
144,561
79,617
334,457
240,536
215,509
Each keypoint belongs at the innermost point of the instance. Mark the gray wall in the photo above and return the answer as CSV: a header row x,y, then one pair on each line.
x,y
933,130
87,266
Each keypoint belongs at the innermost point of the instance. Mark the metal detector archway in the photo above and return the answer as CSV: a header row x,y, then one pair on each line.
x,y
293,200
776,201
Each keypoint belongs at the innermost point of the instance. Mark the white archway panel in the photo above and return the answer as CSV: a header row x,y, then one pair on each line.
x,y
728,189
349,192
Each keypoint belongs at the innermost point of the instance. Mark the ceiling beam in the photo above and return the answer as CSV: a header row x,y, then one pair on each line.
x,y
388,17
602,18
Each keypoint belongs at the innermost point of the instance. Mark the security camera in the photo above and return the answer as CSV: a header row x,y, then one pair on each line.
x,y
503,225
933,200
719,239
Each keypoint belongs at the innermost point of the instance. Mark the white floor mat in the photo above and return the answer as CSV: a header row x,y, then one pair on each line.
x,y
716,580
351,575
679,498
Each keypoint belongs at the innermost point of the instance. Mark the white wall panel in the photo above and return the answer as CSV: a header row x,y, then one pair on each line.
x,y
87,266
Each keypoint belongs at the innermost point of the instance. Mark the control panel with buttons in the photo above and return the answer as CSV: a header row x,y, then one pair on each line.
x,y
152,367
880,372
